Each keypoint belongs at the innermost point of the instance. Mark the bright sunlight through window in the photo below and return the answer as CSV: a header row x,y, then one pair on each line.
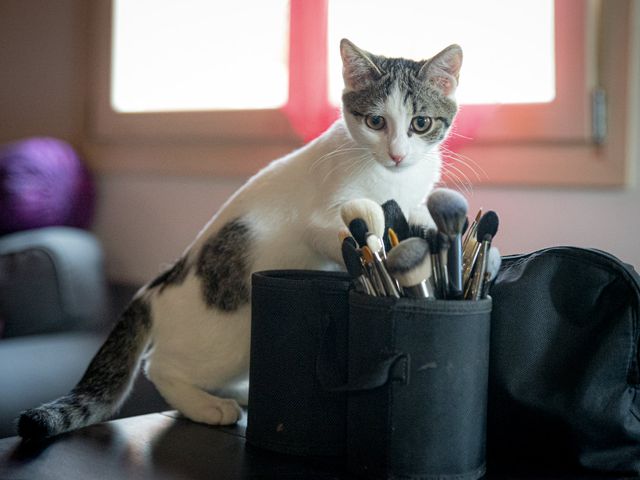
x,y
187,55
508,44
171,55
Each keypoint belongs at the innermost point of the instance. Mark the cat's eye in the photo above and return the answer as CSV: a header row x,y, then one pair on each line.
x,y
375,122
421,124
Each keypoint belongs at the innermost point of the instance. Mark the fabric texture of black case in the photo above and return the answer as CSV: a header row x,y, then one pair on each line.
x,y
418,373
299,319
564,385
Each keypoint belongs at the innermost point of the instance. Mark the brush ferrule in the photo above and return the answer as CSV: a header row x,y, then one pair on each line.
x,y
417,291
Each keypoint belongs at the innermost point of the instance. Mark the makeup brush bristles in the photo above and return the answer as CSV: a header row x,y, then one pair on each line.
x,y
488,224
494,260
394,218
355,266
420,261
358,229
448,209
367,210
410,264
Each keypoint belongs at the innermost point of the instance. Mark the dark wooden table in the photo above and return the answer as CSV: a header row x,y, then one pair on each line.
x,y
166,446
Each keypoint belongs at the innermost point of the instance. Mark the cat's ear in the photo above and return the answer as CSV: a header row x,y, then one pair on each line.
x,y
442,71
358,67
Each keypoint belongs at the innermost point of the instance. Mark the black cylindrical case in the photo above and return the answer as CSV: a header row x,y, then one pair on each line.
x,y
421,367
394,388
298,338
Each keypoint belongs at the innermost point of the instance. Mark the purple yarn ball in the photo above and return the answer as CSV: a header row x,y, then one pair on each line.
x,y
43,182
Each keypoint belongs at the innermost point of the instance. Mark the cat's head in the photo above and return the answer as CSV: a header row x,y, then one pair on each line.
x,y
399,109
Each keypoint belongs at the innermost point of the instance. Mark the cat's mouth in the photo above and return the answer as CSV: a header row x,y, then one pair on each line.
x,y
396,166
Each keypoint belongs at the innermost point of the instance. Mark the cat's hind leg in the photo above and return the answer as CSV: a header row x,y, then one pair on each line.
x,y
194,402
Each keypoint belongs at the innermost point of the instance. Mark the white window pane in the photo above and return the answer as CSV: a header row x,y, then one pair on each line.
x,y
199,55
508,44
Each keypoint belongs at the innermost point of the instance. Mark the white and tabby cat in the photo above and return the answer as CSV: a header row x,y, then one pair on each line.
x,y
192,323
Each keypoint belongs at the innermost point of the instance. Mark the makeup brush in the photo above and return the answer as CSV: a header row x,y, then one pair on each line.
x,y
376,245
443,246
372,271
448,209
367,210
394,218
353,262
487,225
464,228
493,266
358,229
345,234
393,238
475,291
410,264
471,231
431,237
470,247
419,221
377,249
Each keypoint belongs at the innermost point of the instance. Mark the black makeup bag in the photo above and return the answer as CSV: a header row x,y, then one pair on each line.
x,y
564,387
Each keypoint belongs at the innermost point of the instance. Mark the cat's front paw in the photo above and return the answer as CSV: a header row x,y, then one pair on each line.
x,y
224,411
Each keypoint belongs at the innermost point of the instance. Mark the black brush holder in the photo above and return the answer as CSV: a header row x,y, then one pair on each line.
x,y
423,413
299,318
396,387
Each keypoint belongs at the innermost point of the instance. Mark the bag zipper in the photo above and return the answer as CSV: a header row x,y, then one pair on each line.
x,y
604,259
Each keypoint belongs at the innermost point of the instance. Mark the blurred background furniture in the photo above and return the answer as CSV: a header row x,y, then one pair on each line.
x,y
56,308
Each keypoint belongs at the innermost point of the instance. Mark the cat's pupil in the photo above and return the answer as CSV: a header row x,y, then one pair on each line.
x,y
375,122
421,124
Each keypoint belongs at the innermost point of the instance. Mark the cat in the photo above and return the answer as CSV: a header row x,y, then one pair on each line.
x,y
191,324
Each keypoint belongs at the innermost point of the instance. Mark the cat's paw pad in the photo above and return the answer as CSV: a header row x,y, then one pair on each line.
x,y
223,412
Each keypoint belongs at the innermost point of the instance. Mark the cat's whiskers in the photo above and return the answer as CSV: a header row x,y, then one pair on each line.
x,y
451,173
452,178
318,165
468,162
339,150
356,164
463,178
453,133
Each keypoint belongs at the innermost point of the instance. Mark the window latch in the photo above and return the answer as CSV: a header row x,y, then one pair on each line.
x,y
598,115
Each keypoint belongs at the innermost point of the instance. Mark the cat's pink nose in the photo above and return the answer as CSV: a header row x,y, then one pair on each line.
x,y
397,158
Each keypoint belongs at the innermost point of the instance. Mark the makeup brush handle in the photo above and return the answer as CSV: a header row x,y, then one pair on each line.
x,y
374,280
469,257
367,286
388,283
454,267
435,273
481,268
444,274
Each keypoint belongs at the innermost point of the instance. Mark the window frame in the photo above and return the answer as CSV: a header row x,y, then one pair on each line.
x,y
237,143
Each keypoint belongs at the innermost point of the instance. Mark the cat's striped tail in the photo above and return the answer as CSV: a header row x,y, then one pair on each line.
x,y
105,384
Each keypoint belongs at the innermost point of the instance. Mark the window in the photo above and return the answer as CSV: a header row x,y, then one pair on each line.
x,y
522,121
167,55
516,38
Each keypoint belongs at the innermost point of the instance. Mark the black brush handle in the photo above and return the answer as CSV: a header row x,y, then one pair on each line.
x,y
454,267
